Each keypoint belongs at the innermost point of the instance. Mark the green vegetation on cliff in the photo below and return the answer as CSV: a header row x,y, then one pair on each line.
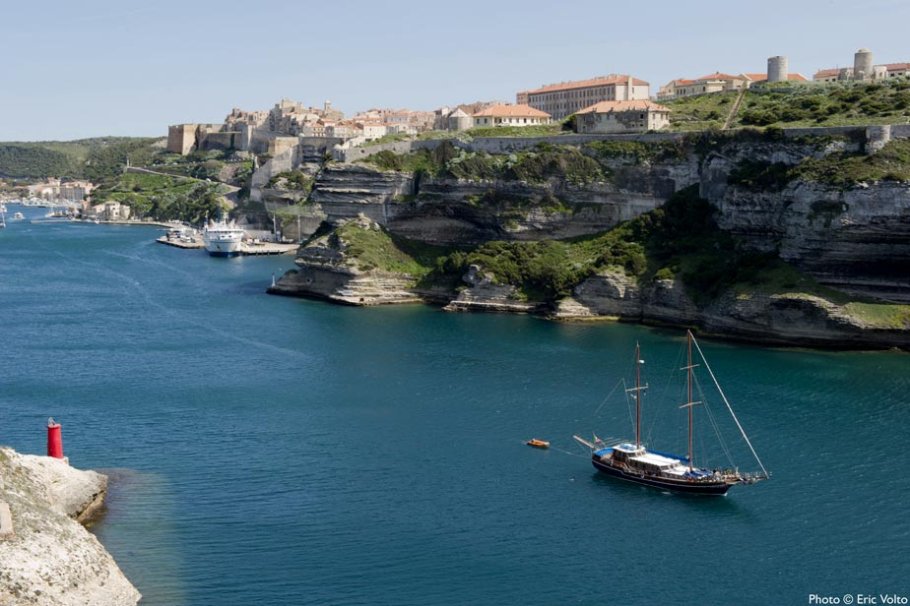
x,y
679,239
891,163
545,162
374,248
798,105
162,198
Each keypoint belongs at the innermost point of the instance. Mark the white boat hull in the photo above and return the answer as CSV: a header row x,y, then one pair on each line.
x,y
221,240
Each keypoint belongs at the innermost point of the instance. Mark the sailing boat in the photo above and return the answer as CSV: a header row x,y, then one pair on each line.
x,y
633,462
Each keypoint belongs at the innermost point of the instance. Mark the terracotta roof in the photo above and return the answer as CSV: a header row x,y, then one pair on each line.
x,y
623,106
718,76
794,77
683,82
827,73
895,67
601,81
502,110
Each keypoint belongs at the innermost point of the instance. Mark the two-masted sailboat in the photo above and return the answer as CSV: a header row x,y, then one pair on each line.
x,y
633,462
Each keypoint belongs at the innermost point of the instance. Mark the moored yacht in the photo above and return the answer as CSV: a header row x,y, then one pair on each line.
x,y
634,462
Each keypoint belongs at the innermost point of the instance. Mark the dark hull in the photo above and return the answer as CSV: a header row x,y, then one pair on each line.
x,y
682,486
218,253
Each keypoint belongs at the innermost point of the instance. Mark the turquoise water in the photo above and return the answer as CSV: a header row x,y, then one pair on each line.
x,y
267,450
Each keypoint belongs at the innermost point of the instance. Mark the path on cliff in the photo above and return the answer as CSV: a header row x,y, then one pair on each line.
x,y
734,110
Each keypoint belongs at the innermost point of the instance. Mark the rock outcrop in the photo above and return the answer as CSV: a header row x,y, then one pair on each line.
x,y
325,270
786,319
856,239
51,559
484,294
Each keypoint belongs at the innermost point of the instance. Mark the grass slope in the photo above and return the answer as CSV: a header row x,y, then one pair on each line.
x,y
838,104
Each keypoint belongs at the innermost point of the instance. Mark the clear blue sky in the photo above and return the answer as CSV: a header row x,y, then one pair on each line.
x,y
76,68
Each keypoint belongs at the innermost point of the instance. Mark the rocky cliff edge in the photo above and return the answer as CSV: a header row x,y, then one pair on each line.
x,y
50,558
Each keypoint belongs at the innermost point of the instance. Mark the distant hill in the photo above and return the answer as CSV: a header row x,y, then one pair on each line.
x,y
93,159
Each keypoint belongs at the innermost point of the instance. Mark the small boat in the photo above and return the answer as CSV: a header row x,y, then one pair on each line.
x,y
18,216
536,443
632,461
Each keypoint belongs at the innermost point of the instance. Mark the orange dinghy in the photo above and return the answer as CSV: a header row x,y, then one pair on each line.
x,y
538,443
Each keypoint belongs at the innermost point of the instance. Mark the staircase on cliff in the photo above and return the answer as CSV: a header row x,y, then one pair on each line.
x,y
734,110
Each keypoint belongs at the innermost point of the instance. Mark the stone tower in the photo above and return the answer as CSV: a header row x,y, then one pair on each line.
x,y
778,67
862,64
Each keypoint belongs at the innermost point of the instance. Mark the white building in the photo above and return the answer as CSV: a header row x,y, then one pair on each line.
x,y
510,115
372,130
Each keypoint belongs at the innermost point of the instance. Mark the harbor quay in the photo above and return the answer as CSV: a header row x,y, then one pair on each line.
x,y
251,247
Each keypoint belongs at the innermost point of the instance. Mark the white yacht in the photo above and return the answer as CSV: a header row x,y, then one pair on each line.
x,y
222,239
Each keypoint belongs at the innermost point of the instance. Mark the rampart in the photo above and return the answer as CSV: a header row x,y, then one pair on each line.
x,y
869,136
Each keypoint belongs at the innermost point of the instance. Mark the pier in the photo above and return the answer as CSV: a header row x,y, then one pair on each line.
x,y
246,248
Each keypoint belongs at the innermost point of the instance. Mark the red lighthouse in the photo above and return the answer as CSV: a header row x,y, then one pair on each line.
x,y
54,439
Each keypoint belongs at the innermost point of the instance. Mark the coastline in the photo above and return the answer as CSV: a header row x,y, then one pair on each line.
x,y
765,336
48,555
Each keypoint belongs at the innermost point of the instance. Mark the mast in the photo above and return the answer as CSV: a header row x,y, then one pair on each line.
x,y
689,389
690,403
637,395
637,391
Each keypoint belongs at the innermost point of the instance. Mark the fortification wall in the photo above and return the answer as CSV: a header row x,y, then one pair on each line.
x,y
500,145
494,145
218,141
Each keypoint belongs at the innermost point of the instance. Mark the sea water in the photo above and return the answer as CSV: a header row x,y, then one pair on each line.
x,y
268,450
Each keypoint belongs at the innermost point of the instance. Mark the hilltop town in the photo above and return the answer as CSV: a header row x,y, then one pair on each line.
x,y
252,150
613,104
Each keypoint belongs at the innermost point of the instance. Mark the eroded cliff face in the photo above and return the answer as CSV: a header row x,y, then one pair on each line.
x,y
52,559
447,211
855,239
326,270
785,318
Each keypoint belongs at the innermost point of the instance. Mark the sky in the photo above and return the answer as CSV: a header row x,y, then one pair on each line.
x,y
84,68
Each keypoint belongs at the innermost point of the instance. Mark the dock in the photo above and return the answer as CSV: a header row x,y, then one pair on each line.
x,y
246,248
180,243
268,248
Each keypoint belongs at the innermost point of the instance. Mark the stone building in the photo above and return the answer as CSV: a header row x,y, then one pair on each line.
x,y
111,211
181,138
635,116
510,115
253,130
863,70
566,98
458,120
